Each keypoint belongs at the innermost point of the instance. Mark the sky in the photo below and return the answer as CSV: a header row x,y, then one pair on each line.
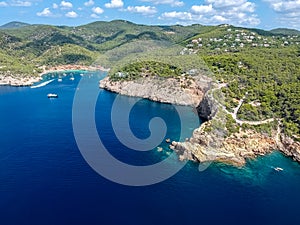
x,y
264,14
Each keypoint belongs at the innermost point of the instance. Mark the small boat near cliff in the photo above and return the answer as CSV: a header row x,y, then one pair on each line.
x,y
52,95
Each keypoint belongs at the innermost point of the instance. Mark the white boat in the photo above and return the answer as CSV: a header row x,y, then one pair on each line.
x,y
59,80
278,169
51,95
72,78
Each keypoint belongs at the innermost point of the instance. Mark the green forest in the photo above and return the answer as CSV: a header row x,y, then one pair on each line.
x,y
270,80
146,69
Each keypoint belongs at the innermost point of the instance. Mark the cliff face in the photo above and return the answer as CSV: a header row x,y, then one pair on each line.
x,y
207,108
290,147
180,91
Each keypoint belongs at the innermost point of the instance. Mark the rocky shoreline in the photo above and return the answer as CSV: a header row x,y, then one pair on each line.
x,y
206,145
64,68
18,80
234,150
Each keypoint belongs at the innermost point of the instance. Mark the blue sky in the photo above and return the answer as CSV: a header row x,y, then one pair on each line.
x,y
266,14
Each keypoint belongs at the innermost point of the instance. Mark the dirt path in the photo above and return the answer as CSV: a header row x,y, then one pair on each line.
x,y
236,110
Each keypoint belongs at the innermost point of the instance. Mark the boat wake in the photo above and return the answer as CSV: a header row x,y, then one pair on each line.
x,y
43,84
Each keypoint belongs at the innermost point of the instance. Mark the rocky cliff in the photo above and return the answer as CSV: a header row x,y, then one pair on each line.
x,y
290,147
207,108
206,146
180,90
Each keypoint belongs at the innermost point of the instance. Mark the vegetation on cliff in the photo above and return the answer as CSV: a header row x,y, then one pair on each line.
x,y
145,69
269,79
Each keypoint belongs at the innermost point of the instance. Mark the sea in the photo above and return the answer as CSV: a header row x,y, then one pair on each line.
x,y
46,178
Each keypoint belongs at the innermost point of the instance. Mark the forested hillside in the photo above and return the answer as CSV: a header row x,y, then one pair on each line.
x,y
261,67
25,48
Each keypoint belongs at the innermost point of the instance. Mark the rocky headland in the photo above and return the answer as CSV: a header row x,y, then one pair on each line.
x,y
206,144
188,91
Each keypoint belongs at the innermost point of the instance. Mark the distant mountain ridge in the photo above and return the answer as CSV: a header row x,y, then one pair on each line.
x,y
14,24
25,47
285,31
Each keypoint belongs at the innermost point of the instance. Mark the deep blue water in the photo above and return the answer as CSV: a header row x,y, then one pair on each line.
x,y
45,180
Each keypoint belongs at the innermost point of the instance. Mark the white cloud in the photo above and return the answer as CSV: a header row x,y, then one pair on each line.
x,y
225,3
174,3
54,6
288,11
246,7
177,15
71,14
97,10
21,3
95,16
3,4
46,13
145,10
66,5
89,3
219,19
284,6
202,9
237,12
115,4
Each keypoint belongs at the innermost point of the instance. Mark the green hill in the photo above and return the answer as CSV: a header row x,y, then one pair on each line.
x,y
32,44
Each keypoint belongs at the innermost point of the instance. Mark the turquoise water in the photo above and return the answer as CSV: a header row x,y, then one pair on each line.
x,y
45,180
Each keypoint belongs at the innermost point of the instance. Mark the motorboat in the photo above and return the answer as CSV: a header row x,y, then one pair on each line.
x,y
278,169
52,95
